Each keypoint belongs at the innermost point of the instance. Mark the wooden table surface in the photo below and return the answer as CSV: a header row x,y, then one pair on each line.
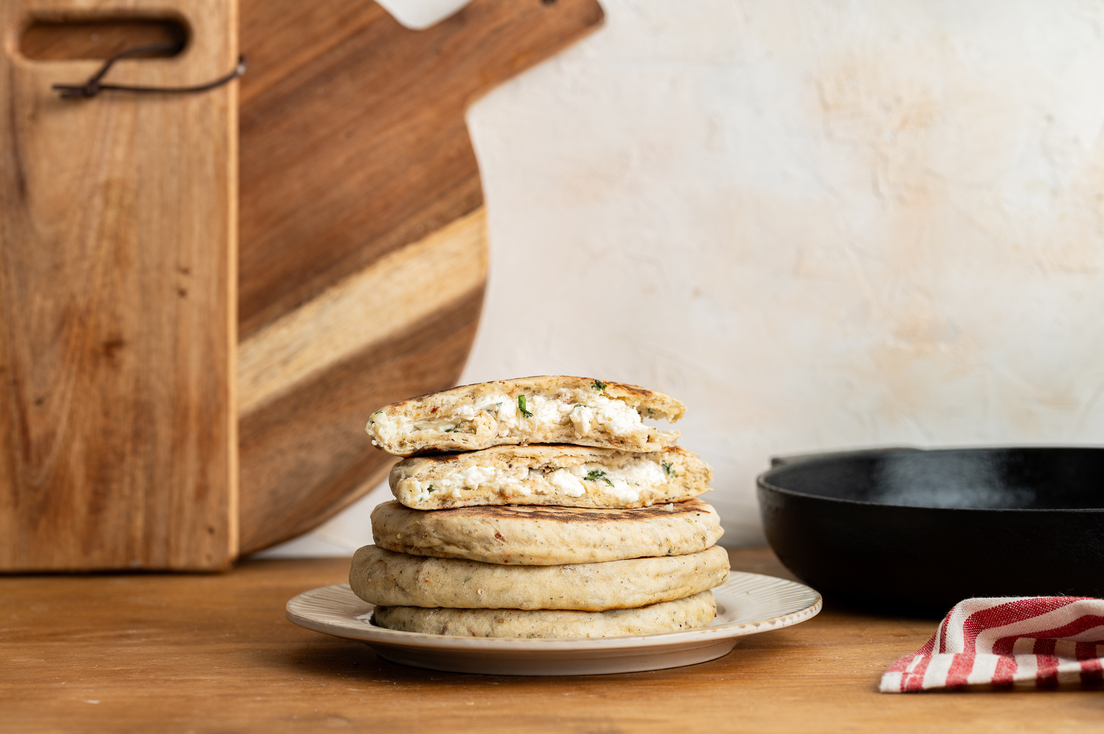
x,y
213,653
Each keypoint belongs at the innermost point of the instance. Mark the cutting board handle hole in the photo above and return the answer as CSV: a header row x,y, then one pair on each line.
x,y
48,39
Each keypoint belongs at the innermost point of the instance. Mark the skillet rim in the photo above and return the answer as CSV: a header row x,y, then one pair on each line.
x,y
763,479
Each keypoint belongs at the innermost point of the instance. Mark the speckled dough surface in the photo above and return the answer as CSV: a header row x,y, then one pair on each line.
x,y
546,409
566,476
385,578
682,614
544,536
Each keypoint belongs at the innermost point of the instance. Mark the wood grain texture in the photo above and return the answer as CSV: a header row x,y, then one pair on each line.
x,y
215,654
353,141
117,304
361,229
400,289
312,473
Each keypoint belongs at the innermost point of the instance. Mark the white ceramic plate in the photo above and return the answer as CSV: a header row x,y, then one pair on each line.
x,y
747,604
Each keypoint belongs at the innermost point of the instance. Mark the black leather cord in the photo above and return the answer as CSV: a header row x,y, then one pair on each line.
x,y
94,86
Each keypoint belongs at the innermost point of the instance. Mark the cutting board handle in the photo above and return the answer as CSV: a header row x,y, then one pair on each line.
x,y
499,42
52,37
73,39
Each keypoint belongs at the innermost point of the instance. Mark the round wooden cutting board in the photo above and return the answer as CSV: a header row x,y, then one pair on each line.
x,y
363,256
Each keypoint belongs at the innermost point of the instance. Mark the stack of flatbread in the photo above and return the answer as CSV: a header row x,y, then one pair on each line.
x,y
540,507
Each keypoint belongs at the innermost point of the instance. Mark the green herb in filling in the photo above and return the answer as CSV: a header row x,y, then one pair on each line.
x,y
521,406
599,385
668,468
595,475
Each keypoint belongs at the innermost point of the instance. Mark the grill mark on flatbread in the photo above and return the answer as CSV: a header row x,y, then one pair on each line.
x,y
546,536
544,449
577,514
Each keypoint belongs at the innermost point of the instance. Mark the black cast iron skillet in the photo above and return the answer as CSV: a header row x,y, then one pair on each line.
x,y
913,532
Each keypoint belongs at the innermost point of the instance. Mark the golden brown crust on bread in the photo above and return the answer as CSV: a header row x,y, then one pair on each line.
x,y
682,614
380,576
546,536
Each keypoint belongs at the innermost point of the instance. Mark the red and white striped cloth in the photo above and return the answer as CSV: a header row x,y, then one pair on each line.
x,y
1045,640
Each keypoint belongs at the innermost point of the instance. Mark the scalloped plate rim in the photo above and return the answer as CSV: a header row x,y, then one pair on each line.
x,y
807,604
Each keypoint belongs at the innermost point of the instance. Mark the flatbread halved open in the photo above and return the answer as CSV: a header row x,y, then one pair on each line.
x,y
566,476
530,410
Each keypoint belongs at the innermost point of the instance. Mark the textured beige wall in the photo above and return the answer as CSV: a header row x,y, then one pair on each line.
x,y
819,224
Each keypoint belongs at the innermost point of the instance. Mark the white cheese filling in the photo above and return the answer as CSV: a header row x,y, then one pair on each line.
x,y
624,484
596,413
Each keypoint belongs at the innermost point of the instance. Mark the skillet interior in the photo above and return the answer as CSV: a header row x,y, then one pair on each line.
x,y
1004,478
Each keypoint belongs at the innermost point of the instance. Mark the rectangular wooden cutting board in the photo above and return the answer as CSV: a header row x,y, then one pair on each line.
x,y
118,425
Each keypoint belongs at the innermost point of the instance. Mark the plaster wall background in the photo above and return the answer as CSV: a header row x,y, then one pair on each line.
x,y
820,224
